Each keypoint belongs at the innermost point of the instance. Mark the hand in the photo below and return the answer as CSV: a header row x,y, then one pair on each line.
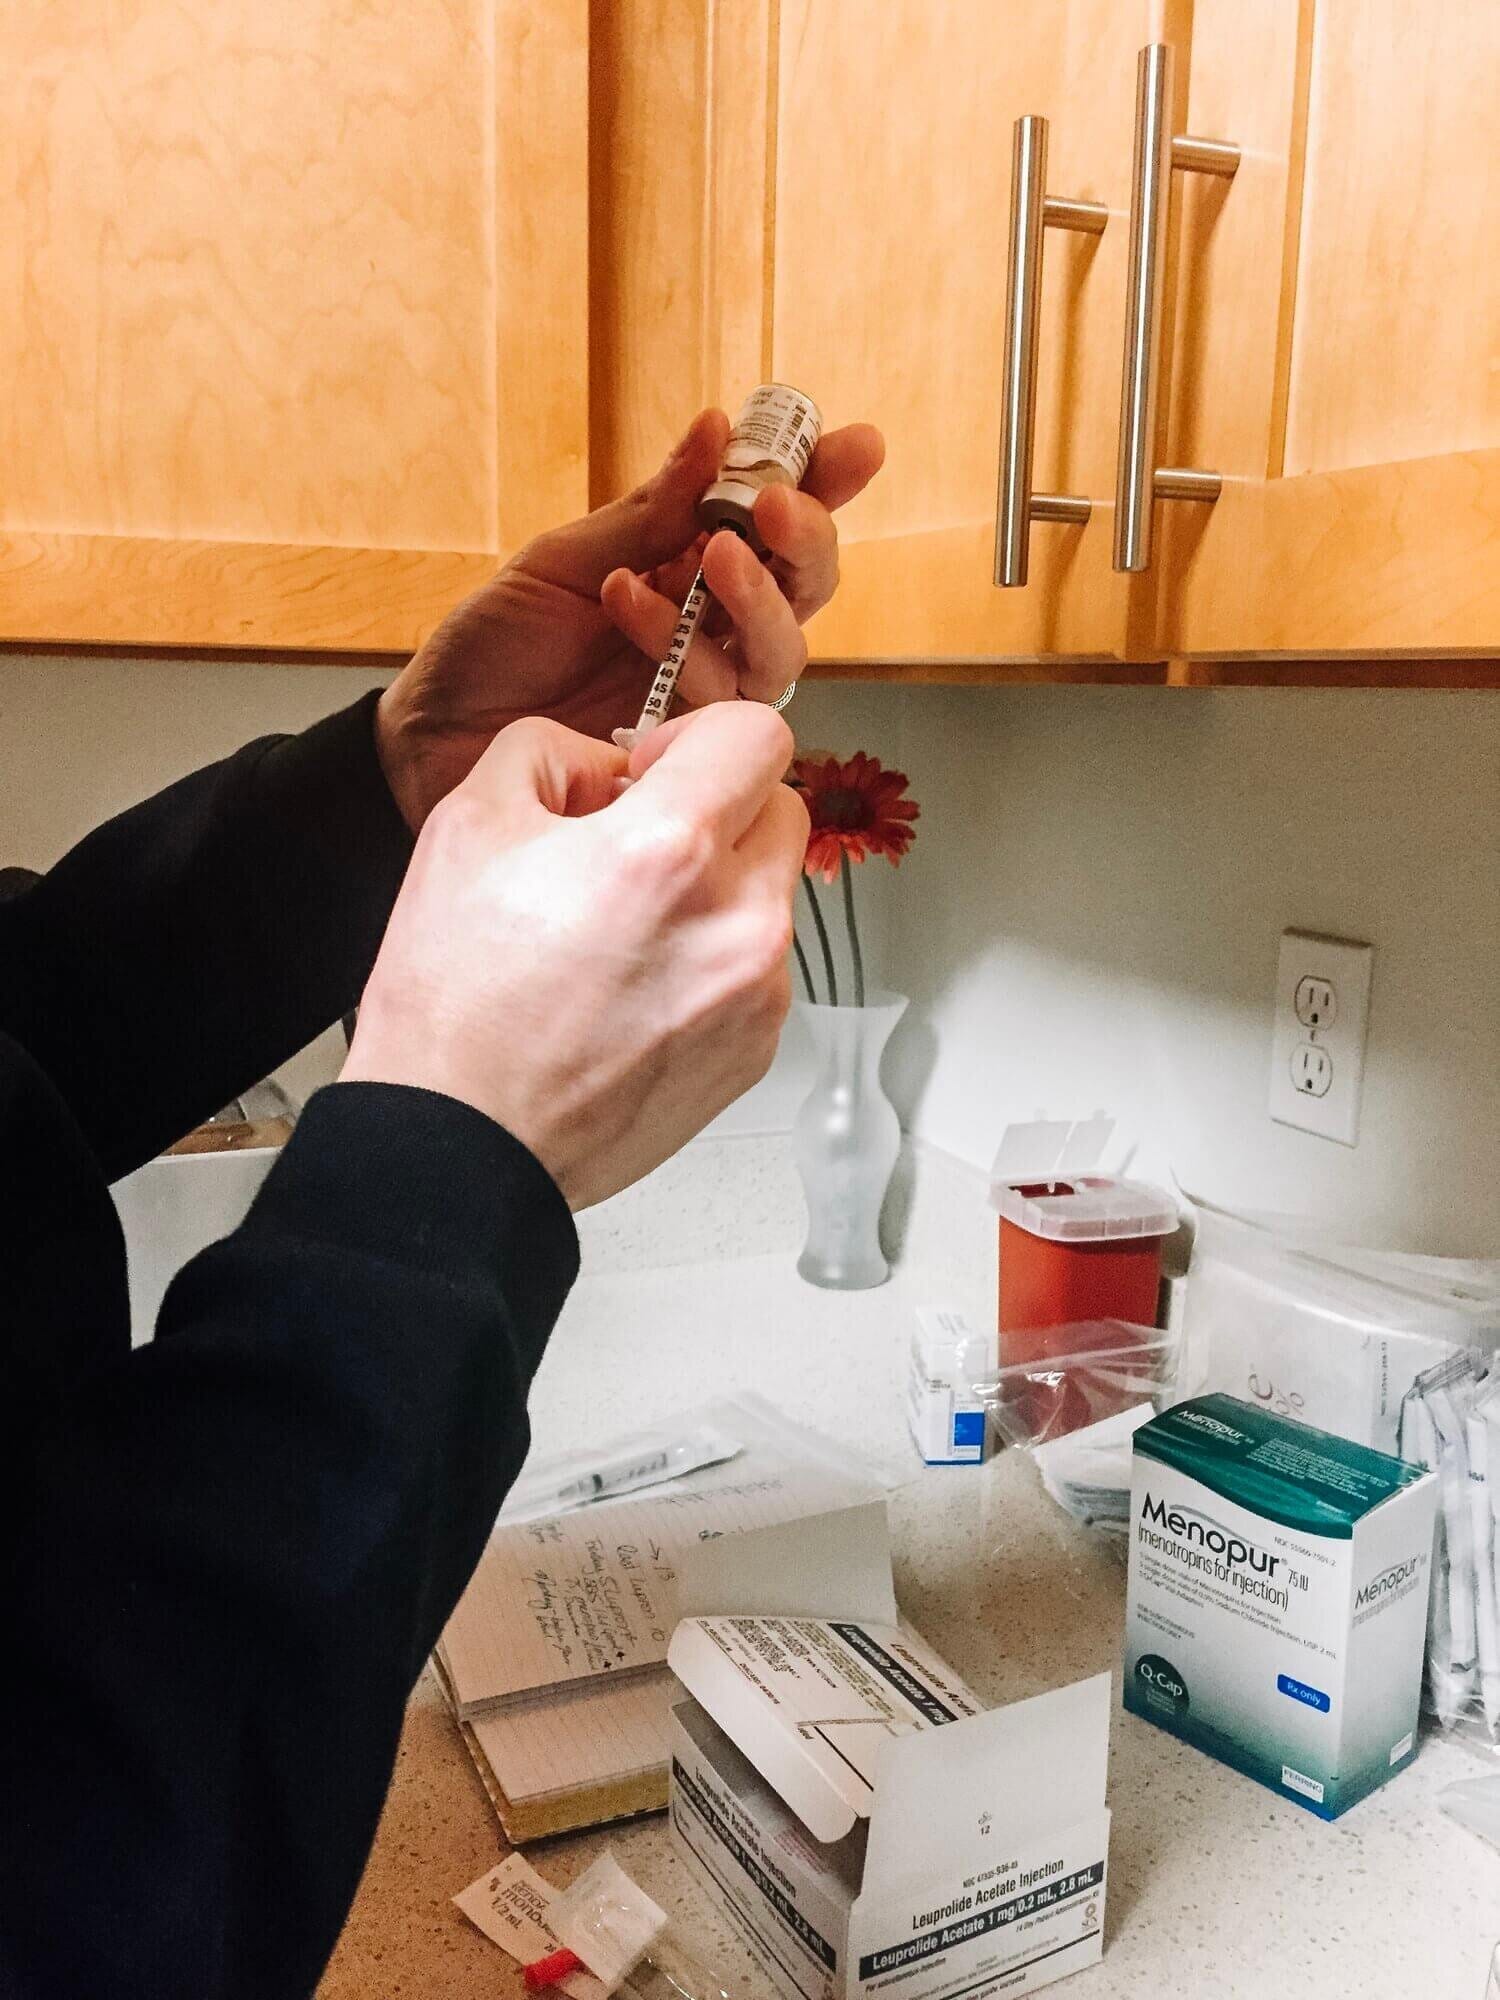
x,y
601,974
574,626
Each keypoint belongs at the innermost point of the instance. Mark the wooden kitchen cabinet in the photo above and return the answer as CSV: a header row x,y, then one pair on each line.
x,y
1329,322
1331,329
319,308
680,151
818,191
1337,348
890,212
296,313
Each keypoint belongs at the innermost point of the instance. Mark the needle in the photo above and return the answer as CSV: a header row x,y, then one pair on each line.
x,y
659,700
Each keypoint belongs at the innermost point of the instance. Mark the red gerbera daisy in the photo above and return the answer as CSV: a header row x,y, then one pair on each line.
x,y
857,808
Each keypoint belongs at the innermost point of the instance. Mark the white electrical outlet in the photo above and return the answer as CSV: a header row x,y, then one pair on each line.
x,y
1316,1001
1318,1050
1312,1070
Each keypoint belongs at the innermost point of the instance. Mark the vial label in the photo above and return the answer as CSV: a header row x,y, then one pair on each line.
x,y
775,432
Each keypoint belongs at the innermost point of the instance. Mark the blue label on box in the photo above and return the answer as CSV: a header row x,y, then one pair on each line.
x,y
968,1429
1300,1691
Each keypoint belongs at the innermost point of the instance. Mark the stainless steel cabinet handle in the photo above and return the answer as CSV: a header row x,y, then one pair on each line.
x,y
1138,479
1032,210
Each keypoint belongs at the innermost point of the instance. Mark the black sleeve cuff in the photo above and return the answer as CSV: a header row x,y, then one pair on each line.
x,y
330,799
419,1179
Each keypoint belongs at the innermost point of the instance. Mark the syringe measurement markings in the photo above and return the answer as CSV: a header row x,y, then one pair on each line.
x,y
659,700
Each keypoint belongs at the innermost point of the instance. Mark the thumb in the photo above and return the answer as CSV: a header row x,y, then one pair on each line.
x,y
648,526
713,769
537,769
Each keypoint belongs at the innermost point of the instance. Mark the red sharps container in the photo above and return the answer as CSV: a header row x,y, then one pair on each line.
x,y
1084,1248
1081,1250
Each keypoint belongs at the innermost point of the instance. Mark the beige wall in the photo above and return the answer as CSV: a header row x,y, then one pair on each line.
x,y
1089,919
81,739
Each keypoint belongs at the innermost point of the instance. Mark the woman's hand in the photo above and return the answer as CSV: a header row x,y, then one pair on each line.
x,y
573,627
599,973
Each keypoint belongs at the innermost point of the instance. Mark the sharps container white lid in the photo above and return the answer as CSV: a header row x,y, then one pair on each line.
x,y
1046,1180
1090,1208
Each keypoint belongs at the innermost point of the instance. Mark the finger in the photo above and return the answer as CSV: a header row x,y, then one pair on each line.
x,y
844,464
649,526
674,579
536,767
774,846
714,769
649,620
804,545
769,649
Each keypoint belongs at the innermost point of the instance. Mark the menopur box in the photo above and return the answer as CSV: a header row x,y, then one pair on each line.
x,y
1278,1598
868,1828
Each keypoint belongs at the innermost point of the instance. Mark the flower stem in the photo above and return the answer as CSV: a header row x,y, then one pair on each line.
x,y
833,984
806,968
847,875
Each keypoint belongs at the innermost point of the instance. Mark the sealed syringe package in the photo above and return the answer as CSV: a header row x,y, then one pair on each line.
x,y
1075,1410
1450,1422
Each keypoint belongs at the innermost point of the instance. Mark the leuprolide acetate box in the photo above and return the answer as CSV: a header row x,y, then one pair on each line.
x,y
1277,1609
842,1796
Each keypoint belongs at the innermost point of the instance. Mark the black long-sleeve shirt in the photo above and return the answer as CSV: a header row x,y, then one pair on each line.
x,y
225,1556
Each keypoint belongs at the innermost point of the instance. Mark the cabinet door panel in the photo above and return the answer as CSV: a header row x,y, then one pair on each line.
x,y
301,274
1347,387
1396,347
677,223
893,157
1234,273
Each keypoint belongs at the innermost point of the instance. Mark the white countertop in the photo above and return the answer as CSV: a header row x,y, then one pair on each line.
x,y
1217,1887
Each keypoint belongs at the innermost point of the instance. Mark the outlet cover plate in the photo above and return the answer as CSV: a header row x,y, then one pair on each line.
x,y
1303,1093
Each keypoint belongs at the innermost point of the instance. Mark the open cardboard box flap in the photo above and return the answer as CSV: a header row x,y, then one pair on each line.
x,y
834,1565
1053,1752
1049,1753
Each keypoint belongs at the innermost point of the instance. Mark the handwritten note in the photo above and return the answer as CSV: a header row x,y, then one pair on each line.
x,y
591,1596
594,1606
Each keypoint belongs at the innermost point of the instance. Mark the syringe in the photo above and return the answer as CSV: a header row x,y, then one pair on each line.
x,y
771,444
659,700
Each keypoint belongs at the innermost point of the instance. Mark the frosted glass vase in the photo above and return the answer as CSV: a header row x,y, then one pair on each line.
x,y
846,1140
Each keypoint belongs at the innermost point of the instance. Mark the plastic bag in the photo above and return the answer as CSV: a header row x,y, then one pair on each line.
x,y
624,1936
1077,1409
743,1430
1391,1351
1450,1422
1475,1803
609,1926
651,1457
1329,1334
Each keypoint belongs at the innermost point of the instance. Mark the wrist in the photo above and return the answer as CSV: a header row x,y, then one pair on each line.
x,y
413,1060
396,752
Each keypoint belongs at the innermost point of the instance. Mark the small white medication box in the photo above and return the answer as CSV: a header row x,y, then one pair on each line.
x,y
945,1415
1277,1610
842,1797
